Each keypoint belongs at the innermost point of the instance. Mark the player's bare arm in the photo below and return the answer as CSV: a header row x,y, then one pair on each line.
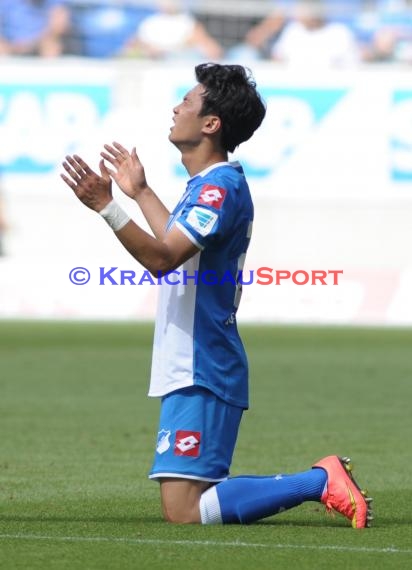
x,y
95,192
129,175
154,254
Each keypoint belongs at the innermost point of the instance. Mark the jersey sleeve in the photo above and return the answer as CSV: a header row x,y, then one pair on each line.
x,y
209,213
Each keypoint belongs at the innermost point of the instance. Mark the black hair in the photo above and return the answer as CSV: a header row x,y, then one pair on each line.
x,y
230,93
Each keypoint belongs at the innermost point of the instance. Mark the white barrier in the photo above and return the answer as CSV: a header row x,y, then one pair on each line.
x,y
330,170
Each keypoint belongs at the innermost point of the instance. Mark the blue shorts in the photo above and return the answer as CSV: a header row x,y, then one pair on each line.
x,y
197,436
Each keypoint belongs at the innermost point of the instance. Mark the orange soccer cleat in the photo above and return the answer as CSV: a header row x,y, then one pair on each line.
x,y
342,493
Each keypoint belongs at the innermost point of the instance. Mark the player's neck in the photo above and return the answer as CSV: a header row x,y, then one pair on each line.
x,y
195,161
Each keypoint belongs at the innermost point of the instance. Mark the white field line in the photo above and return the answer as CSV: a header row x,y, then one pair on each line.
x,y
214,543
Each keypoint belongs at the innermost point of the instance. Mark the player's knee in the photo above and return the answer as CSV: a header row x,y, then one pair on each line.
x,y
180,515
176,518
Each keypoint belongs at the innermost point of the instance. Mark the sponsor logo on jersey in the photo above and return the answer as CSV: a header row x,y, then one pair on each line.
x,y
187,443
163,442
201,220
212,196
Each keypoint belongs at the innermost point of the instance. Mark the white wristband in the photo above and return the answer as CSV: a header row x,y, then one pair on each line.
x,y
114,216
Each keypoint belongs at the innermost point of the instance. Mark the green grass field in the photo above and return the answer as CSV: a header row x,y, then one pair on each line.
x,y
77,434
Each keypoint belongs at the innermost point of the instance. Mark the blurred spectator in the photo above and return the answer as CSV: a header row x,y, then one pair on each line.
x,y
389,30
33,27
102,28
260,38
263,35
173,33
310,40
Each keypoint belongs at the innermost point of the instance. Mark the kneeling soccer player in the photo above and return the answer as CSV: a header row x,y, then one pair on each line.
x,y
199,366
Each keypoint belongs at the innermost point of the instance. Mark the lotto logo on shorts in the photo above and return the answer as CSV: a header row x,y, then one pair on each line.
x,y
212,196
187,443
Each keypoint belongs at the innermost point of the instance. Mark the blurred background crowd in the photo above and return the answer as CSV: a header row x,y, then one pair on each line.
x,y
333,33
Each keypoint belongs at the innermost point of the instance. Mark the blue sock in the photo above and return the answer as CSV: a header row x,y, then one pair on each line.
x,y
247,499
